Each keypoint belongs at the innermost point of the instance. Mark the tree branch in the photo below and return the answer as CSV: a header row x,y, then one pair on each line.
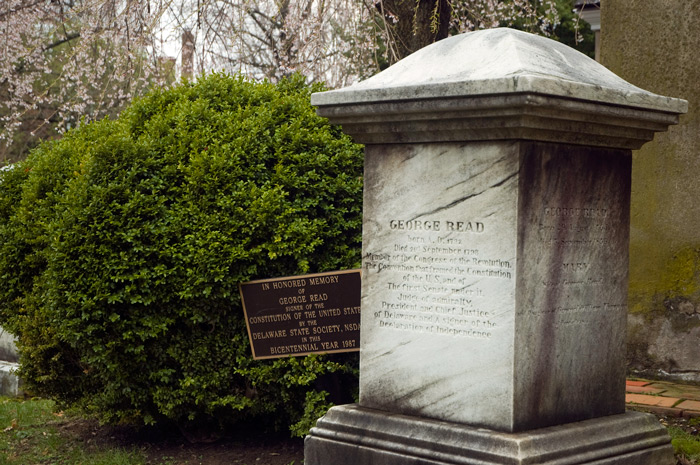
x,y
67,38
21,7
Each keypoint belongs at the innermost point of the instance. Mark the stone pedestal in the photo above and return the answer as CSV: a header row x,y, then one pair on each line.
x,y
494,282
353,435
495,257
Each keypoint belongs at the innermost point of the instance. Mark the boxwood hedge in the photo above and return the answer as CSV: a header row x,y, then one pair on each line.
x,y
122,245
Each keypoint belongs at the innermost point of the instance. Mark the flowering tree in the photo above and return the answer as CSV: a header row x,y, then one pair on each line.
x,y
321,39
339,41
408,25
64,60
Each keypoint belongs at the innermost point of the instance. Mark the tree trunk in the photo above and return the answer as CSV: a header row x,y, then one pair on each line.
x,y
413,24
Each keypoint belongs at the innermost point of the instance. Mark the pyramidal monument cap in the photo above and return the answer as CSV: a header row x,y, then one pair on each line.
x,y
498,61
499,84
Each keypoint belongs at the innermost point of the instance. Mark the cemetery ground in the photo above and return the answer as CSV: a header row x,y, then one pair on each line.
x,y
32,431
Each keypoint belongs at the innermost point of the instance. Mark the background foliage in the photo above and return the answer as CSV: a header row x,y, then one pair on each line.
x,y
122,245
62,60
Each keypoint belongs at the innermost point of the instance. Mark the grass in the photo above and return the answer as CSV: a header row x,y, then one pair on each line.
x,y
685,445
30,434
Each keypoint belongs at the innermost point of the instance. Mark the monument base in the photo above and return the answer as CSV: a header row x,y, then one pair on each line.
x,y
353,435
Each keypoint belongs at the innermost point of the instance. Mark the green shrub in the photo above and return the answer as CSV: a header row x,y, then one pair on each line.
x,y
122,245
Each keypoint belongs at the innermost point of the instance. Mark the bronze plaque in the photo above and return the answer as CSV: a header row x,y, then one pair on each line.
x,y
301,315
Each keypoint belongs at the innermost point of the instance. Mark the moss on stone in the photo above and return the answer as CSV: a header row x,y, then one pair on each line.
x,y
676,283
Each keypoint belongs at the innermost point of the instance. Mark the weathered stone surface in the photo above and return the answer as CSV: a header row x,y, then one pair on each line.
x,y
495,254
494,282
8,349
352,435
499,84
10,384
498,61
663,345
657,46
435,337
573,230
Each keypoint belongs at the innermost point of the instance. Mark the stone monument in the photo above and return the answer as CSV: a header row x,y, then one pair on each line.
x,y
495,258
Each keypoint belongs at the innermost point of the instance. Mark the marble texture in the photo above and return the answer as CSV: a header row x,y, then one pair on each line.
x,y
353,435
571,304
8,347
438,281
498,61
10,383
499,117
495,255
494,282
499,84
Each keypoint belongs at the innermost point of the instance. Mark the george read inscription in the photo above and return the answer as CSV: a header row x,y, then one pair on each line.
x,y
435,278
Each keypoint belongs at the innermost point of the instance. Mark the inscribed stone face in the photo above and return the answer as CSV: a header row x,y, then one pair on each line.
x,y
439,267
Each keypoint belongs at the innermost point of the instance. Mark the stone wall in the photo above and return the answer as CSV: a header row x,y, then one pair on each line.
x,y
656,46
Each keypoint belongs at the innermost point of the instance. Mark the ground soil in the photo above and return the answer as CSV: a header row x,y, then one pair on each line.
x,y
242,447
172,448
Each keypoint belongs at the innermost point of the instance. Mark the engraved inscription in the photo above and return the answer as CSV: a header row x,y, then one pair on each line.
x,y
575,227
578,233
435,278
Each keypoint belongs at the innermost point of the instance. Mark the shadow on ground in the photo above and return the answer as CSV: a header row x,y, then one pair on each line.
x,y
171,448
